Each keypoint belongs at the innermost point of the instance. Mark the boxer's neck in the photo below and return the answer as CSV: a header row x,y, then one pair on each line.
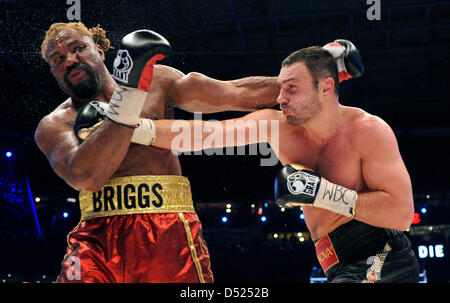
x,y
325,125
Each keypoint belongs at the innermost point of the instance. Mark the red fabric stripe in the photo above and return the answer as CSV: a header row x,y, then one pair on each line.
x,y
147,73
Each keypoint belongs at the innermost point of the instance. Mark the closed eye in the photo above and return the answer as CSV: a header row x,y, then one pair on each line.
x,y
292,88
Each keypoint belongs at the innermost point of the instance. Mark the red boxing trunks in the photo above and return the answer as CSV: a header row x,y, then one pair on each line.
x,y
138,229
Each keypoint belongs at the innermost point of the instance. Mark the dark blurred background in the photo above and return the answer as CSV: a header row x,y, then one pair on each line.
x,y
406,54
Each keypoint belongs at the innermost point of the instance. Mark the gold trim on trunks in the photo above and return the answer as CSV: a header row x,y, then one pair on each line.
x,y
191,245
138,195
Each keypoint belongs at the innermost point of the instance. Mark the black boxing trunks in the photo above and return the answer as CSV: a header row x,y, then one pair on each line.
x,y
138,229
360,253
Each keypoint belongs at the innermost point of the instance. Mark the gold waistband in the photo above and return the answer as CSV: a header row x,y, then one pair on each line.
x,y
138,195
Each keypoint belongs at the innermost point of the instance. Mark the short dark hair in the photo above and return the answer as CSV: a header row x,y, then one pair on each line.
x,y
319,62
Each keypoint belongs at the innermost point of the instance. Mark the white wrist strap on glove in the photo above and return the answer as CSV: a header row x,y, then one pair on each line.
x,y
145,133
336,198
126,105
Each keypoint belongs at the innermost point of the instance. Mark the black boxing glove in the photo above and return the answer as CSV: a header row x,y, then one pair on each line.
x,y
91,115
138,53
133,70
296,185
347,58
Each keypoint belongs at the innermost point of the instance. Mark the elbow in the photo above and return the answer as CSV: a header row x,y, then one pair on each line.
x,y
86,180
93,187
197,80
404,225
194,76
88,183
405,217
407,221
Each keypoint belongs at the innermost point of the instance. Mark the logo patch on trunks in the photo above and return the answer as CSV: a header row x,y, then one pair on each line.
x,y
326,254
127,196
142,194
371,276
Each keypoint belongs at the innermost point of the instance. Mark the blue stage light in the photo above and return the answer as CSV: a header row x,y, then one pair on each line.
x,y
224,219
263,218
8,154
65,214
423,210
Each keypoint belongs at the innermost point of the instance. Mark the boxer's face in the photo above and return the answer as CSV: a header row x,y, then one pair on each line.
x,y
298,98
77,63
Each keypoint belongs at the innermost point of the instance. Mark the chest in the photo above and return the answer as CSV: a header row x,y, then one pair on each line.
x,y
338,161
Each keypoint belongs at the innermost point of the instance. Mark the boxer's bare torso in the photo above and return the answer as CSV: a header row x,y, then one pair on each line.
x,y
338,160
344,145
360,153
140,160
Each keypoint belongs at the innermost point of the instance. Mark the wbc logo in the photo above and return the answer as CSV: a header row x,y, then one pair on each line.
x,y
122,65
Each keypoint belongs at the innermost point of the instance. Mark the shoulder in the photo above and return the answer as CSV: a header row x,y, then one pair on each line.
x,y
368,132
166,79
365,124
65,112
61,118
164,75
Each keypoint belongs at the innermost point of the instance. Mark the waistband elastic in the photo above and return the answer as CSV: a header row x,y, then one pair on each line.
x,y
138,195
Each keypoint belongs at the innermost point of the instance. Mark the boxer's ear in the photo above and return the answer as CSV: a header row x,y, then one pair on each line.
x,y
100,52
326,86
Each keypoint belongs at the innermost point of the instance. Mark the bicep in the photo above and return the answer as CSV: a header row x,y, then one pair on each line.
x,y
57,141
382,165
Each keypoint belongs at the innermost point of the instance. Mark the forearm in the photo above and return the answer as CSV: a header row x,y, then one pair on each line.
x,y
382,209
194,135
185,135
94,161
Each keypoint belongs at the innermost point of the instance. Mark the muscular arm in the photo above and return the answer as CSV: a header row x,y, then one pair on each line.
x,y
86,166
195,92
388,202
192,135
